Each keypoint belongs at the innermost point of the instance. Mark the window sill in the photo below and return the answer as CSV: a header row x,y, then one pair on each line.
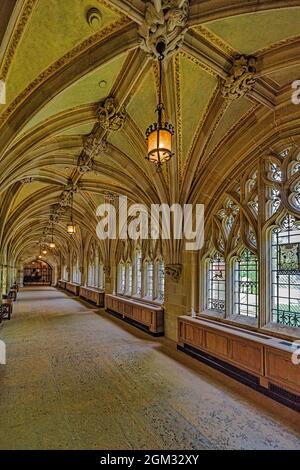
x,y
145,300
282,330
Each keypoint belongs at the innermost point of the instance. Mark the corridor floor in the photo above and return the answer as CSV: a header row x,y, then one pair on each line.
x,y
77,378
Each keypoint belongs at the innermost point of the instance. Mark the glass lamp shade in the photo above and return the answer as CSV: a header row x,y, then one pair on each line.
x,y
52,245
44,252
71,229
159,145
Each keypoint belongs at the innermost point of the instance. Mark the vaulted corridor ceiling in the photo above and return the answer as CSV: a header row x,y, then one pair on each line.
x,y
57,86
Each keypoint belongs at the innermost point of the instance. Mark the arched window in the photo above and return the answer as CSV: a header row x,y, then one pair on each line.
x,y
100,276
149,278
286,273
91,274
216,284
121,278
160,280
138,272
128,278
246,285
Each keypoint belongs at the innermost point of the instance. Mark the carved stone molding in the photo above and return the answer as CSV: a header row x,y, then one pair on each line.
x,y
165,20
174,271
109,118
27,180
109,197
241,79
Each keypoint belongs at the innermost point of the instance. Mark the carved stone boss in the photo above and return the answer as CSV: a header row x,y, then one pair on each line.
x,y
165,20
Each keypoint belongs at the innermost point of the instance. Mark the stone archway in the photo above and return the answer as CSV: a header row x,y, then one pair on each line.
x,y
37,272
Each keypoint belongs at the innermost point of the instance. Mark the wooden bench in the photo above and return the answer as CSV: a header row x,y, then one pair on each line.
x,y
147,316
6,310
73,288
258,360
91,294
61,284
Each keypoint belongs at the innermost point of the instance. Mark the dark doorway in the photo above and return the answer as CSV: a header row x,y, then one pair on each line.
x,y
37,273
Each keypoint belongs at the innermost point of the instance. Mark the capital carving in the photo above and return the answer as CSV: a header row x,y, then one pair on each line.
x,y
106,270
109,118
174,271
165,21
241,79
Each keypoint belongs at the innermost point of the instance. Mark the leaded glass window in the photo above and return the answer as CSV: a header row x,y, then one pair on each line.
x,y
286,273
128,278
149,279
122,278
216,284
246,285
138,272
160,280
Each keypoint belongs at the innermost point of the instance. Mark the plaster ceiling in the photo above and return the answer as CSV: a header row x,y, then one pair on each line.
x,y
250,33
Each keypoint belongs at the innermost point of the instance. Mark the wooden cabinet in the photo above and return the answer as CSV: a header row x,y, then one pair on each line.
x,y
267,358
93,295
73,288
150,316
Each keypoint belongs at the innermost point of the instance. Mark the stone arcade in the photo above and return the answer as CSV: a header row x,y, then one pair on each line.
x,y
128,342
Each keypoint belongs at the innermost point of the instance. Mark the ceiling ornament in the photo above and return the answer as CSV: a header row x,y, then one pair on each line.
x,y
109,117
174,271
94,18
241,78
165,20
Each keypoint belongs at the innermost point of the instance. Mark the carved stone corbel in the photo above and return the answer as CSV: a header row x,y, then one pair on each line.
x,y
109,118
241,78
174,271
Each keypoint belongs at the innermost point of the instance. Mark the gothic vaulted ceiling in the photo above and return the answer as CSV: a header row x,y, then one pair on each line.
x,y
227,90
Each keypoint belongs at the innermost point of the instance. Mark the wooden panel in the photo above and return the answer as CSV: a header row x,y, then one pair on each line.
x,y
248,355
217,343
280,369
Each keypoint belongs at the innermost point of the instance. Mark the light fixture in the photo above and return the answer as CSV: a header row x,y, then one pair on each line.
x,y
71,229
159,135
44,252
52,244
40,256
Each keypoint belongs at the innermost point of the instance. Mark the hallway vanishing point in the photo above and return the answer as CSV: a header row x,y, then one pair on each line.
x,y
77,378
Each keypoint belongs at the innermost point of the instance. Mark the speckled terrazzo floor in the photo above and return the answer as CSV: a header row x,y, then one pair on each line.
x,y
76,379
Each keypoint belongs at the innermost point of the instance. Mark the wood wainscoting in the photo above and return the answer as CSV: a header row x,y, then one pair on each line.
x,y
91,294
147,316
260,361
